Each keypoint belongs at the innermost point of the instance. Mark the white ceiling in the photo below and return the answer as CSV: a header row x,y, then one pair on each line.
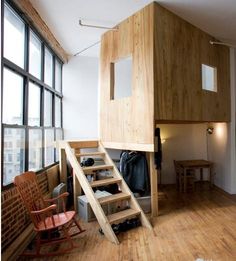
x,y
217,17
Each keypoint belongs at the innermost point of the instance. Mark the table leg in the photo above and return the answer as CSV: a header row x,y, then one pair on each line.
x,y
185,180
201,174
210,174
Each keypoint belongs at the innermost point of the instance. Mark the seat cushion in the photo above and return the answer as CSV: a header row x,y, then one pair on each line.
x,y
59,220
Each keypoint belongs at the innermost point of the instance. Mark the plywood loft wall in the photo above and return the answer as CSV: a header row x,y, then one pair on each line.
x,y
167,56
179,51
127,123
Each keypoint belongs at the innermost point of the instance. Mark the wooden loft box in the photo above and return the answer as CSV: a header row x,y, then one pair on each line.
x,y
168,58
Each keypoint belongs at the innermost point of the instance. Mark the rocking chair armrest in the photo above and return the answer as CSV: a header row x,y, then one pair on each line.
x,y
63,195
37,212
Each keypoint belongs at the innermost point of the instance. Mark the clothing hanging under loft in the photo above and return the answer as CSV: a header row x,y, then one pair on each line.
x,y
158,153
134,168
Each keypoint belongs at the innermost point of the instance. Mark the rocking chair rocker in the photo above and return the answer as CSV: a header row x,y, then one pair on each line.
x,y
46,219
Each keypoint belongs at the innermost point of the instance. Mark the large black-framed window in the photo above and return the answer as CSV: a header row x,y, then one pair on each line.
x,y
31,88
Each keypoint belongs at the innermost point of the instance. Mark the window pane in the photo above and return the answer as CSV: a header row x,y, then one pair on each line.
x,y
209,78
122,73
48,67
59,136
14,37
57,112
13,154
58,76
35,55
49,146
35,149
34,105
47,108
12,97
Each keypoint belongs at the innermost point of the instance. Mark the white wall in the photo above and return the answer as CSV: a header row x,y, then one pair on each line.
x,y
182,142
233,122
222,142
80,98
219,153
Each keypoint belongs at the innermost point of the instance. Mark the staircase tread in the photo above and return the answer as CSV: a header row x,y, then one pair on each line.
x,y
119,216
95,153
98,167
113,198
105,182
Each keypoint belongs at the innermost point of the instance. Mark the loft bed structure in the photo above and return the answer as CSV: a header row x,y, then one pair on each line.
x,y
177,76
169,60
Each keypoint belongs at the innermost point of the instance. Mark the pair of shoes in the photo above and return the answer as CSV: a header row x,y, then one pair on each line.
x,y
132,223
124,226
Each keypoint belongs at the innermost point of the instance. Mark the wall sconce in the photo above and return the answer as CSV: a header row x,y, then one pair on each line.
x,y
163,141
210,130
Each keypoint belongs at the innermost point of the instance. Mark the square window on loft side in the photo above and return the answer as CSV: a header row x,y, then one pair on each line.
x,y
209,78
121,78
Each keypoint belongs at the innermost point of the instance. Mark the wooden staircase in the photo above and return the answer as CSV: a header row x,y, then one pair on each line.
x,y
73,154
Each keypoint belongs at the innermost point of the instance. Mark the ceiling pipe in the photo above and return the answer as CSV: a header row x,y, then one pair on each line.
x,y
93,26
85,49
220,43
97,26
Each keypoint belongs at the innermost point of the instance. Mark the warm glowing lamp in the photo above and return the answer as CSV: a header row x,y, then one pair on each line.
x,y
210,130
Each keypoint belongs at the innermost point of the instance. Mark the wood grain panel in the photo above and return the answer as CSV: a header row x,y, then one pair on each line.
x,y
179,50
167,54
129,120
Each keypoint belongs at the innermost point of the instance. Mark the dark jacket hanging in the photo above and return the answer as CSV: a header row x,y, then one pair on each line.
x,y
134,169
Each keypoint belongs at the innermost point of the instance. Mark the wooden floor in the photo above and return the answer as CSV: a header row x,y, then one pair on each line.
x,y
191,226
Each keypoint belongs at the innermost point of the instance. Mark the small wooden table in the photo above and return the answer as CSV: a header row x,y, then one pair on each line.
x,y
196,164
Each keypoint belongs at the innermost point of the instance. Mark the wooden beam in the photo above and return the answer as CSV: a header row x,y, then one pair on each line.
x,y
154,184
128,146
83,144
77,191
35,19
76,185
63,166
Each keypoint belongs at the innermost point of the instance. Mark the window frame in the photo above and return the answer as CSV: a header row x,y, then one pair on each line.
x,y
27,77
214,87
17,13
30,28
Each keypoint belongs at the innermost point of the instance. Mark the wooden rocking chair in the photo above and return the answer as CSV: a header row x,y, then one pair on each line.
x,y
45,217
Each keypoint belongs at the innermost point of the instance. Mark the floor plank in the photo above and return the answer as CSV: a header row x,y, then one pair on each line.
x,y
200,224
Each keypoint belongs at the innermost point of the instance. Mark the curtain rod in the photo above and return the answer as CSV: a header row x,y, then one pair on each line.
x,y
97,26
221,43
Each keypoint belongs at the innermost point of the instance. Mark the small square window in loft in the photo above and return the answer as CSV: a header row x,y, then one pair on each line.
x,y
121,73
209,78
